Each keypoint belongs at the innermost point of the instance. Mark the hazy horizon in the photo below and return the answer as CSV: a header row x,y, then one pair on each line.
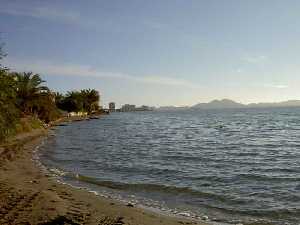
x,y
243,103
158,53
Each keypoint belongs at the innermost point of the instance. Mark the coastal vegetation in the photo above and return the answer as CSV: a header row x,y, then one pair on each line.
x,y
27,103
85,100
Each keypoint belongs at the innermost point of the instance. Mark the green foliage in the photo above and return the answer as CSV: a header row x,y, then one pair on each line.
x,y
27,124
25,103
74,101
90,100
29,91
86,100
21,97
35,99
9,113
45,107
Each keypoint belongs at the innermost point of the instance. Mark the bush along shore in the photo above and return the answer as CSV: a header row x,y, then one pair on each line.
x,y
26,103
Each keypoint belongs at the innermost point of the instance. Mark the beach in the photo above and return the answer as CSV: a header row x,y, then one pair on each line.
x,y
31,196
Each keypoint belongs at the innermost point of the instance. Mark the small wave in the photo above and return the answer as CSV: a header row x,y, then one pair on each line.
x,y
260,177
58,172
144,187
281,170
267,216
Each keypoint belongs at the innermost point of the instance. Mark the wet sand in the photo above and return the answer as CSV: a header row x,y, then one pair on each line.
x,y
30,196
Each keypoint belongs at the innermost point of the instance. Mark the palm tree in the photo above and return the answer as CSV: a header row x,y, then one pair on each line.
x,y
86,100
29,89
45,107
58,97
73,102
90,100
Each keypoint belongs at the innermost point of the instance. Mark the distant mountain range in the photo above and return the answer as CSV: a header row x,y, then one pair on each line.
x,y
290,103
219,104
171,108
230,104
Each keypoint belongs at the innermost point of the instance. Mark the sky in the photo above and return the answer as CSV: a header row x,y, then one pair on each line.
x,y
158,52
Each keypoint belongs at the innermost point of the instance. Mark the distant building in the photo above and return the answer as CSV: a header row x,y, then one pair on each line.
x,y
133,108
128,108
112,107
143,108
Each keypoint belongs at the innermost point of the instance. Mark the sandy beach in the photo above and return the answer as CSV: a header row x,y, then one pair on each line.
x,y
30,196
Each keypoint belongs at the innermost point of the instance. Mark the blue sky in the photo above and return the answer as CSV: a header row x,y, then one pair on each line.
x,y
158,52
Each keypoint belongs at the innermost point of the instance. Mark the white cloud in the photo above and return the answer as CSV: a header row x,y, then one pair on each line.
x,y
239,70
59,15
44,67
155,25
278,86
43,12
255,59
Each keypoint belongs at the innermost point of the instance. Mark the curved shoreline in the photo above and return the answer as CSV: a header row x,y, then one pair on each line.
x,y
30,196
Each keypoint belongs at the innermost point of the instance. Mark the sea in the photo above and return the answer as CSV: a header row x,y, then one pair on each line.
x,y
229,166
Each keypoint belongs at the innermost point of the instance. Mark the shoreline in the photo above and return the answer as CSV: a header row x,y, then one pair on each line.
x,y
31,196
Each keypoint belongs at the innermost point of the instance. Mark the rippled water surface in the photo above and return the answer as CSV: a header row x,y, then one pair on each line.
x,y
231,165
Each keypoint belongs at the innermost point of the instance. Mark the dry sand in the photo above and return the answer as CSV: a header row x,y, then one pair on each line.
x,y
30,196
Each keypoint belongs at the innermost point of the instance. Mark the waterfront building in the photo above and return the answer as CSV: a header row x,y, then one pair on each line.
x,y
112,107
128,108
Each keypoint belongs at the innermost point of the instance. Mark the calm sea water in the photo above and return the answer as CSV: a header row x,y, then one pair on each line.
x,y
230,165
